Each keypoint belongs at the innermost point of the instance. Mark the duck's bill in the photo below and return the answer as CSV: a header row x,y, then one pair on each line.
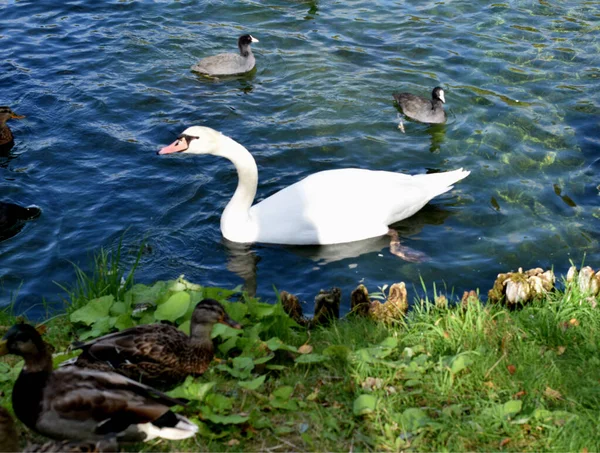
x,y
253,39
3,348
16,117
231,323
177,146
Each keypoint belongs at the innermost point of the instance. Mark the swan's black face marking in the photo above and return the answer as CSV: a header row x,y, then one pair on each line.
x,y
187,138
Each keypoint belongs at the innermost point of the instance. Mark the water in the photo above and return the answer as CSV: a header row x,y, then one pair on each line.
x,y
105,84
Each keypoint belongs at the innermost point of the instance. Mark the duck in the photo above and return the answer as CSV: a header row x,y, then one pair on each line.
x,y
328,207
9,441
159,355
421,109
229,63
13,217
6,136
72,403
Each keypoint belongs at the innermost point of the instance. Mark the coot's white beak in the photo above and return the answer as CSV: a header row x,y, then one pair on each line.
x,y
442,98
253,39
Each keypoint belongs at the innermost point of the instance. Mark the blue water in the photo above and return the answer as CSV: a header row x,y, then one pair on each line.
x,y
105,84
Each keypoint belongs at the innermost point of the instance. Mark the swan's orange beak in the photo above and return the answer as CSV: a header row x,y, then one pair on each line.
x,y
177,146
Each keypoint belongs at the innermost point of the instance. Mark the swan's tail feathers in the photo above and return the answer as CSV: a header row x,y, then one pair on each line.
x,y
169,426
442,182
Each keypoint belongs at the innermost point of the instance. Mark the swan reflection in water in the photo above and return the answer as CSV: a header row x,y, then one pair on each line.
x,y
243,259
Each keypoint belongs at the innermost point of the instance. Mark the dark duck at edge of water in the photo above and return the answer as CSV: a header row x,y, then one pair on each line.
x,y
159,355
6,137
13,218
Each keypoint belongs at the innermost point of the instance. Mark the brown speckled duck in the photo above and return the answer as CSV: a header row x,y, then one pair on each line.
x,y
159,355
6,136
75,404
9,441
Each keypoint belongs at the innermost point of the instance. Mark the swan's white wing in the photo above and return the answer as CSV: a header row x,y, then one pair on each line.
x,y
345,205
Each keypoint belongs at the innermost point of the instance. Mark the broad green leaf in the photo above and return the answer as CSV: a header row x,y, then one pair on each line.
x,y
275,344
311,358
260,310
140,293
512,407
242,367
264,359
93,310
99,328
236,310
253,384
413,418
224,419
173,308
389,342
123,322
224,331
460,362
228,345
283,392
364,404
118,308
191,389
219,403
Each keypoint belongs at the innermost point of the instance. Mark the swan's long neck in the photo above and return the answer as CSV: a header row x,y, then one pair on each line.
x,y
235,217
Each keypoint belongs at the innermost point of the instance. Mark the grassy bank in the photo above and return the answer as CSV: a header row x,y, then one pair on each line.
x,y
471,377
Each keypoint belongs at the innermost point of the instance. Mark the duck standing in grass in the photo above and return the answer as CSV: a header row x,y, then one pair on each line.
x,y
226,64
9,441
71,403
159,355
6,136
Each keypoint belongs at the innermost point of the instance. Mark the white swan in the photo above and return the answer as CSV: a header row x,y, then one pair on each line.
x,y
328,207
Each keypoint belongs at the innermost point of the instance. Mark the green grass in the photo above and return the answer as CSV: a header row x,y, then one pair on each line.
x,y
472,377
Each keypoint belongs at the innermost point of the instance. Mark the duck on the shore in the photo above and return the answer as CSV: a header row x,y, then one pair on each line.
x,y
9,441
328,207
12,218
421,109
229,63
6,136
159,355
72,403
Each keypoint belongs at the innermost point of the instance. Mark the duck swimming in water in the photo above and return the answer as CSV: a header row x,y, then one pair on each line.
x,y
6,136
229,63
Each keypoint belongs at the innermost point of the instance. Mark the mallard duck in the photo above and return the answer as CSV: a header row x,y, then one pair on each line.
x,y
72,403
421,109
9,441
160,355
225,64
321,208
13,218
6,136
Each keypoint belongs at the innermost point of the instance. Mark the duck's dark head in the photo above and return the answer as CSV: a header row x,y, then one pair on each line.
x,y
6,114
244,42
210,312
23,340
438,94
